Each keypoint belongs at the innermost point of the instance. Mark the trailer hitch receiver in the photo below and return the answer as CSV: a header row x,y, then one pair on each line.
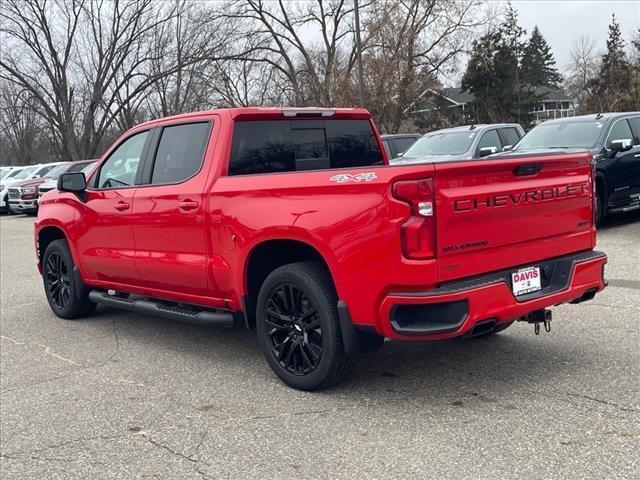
x,y
537,317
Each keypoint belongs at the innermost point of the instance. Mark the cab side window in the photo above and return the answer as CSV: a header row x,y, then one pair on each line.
x,y
180,152
635,126
121,167
490,139
510,136
620,131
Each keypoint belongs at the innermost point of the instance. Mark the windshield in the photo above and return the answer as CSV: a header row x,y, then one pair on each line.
x,y
4,173
88,167
26,173
441,143
57,171
14,173
561,135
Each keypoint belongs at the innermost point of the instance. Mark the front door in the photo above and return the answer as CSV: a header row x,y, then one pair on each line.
x,y
105,240
625,172
170,215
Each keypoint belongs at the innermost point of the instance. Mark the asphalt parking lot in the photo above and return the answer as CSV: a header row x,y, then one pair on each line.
x,y
121,395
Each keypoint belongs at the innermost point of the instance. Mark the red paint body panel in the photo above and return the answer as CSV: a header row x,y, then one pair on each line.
x,y
200,255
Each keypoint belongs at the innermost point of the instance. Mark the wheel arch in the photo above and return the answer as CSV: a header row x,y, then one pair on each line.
x,y
602,186
45,236
267,255
49,232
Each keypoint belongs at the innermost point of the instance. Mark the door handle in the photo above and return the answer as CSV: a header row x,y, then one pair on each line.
x,y
188,205
527,169
121,206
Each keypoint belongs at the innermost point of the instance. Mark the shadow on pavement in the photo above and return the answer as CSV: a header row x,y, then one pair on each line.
x,y
436,371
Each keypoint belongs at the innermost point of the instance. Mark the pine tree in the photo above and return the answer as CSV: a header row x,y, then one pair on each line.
x,y
492,74
614,89
538,65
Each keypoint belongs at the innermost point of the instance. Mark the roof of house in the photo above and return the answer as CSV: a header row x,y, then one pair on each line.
x,y
458,96
552,94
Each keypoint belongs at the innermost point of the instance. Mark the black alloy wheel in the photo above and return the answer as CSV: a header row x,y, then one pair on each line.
x,y
298,327
293,329
66,293
57,280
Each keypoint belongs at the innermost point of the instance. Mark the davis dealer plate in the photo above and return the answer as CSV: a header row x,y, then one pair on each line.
x,y
526,280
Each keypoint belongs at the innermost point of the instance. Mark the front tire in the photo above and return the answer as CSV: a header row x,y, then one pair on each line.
x,y
298,327
67,295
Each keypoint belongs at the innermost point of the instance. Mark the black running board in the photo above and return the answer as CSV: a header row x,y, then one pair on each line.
x,y
160,309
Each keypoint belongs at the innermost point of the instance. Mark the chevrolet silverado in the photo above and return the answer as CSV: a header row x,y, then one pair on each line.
x,y
291,221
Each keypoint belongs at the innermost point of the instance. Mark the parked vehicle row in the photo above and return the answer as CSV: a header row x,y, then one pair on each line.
x,y
613,139
21,187
289,221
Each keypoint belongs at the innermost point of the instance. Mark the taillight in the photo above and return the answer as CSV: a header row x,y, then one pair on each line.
x,y
418,231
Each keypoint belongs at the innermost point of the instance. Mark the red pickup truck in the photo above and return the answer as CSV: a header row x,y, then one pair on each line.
x,y
291,221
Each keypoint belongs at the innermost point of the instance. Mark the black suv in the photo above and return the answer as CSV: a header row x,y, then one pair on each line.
x,y
614,140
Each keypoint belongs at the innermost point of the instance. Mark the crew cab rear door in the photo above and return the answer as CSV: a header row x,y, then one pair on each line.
x,y
170,226
510,211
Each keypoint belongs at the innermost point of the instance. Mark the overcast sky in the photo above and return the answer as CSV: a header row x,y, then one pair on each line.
x,y
562,21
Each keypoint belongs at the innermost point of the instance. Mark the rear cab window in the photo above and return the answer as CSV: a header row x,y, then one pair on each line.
x,y
635,126
272,146
509,136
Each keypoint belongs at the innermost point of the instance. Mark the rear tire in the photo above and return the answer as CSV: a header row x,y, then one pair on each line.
x,y
298,327
67,295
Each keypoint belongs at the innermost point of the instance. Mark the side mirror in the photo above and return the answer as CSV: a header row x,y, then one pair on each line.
x,y
621,145
484,151
72,182
399,154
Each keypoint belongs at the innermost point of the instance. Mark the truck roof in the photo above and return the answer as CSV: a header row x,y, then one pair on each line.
x,y
593,116
254,113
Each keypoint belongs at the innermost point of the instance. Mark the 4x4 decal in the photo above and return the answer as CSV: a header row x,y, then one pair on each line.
x,y
360,177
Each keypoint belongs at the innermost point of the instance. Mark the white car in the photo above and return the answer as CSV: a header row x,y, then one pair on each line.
x,y
25,173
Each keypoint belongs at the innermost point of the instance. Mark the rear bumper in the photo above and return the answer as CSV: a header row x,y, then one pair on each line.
x,y
454,308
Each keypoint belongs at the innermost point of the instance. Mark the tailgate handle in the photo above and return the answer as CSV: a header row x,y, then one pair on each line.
x,y
528,169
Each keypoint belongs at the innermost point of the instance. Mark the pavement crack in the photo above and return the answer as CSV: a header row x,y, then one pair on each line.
x,y
189,458
45,348
168,449
59,445
83,368
604,402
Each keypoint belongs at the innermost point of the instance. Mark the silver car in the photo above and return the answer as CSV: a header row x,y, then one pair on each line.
x,y
462,143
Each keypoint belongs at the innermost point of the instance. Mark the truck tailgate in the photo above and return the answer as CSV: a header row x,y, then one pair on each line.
x,y
495,214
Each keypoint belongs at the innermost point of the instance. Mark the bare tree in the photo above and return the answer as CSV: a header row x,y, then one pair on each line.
x,y
88,63
20,127
583,67
409,43
282,34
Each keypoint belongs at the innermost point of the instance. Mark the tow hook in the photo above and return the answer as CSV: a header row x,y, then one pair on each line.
x,y
537,317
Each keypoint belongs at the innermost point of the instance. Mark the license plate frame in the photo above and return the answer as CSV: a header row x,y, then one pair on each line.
x,y
526,280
